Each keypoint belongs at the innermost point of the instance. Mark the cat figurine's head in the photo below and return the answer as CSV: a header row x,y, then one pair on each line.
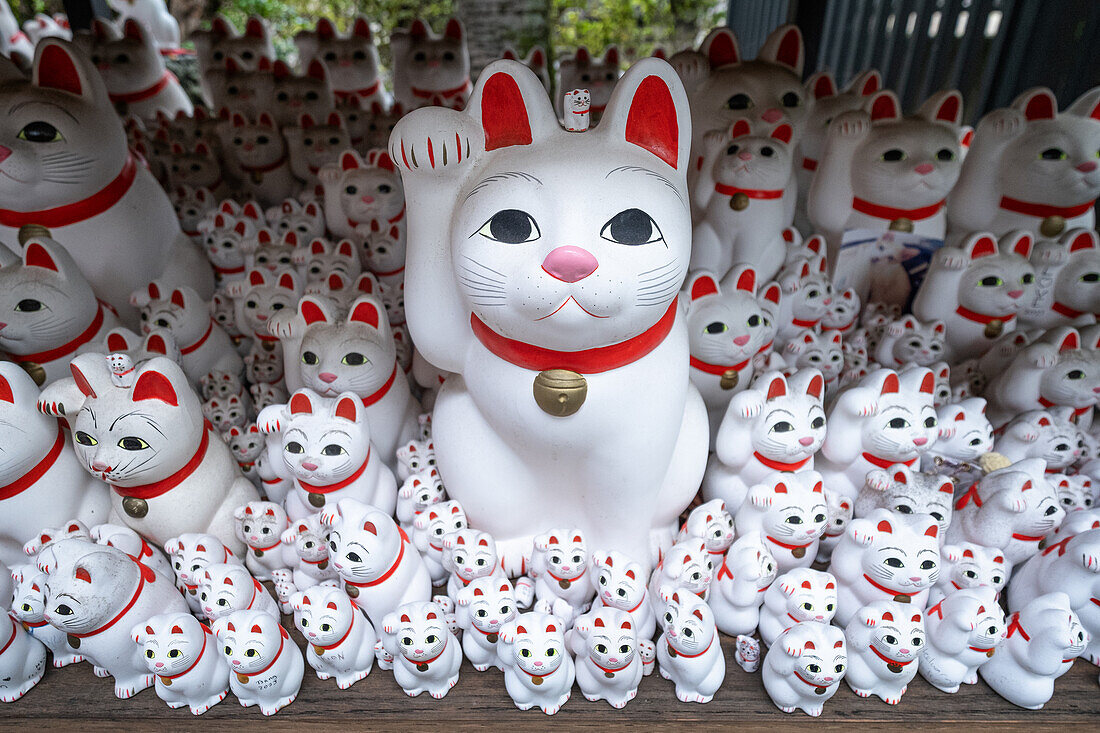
x,y
431,69
753,160
537,641
597,76
191,553
688,623
943,390
469,554
180,311
260,295
129,62
823,351
904,424
1077,284
235,85
807,291
377,125
260,524
491,603
264,395
272,252
909,341
998,278
964,431
898,553
967,565
191,205
687,565
789,508
561,553
610,271
383,252
351,61
1045,434
433,524
1074,492
897,631
421,490
324,615
324,441
393,299
611,639
421,630
257,143
712,523
414,457
803,594
222,41
902,490
309,538
262,365
843,312
362,541
225,588
315,142
29,601
224,413
830,102
351,354
1073,380
250,640
728,324
218,383
786,419
370,189
198,167
172,643
619,581
225,243
89,586
320,258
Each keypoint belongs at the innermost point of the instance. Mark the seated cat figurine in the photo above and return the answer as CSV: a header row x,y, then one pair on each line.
x,y
271,675
807,295
428,530
965,435
967,565
43,484
183,654
426,654
789,510
818,349
1067,275
559,560
1045,434
580,323
902,490
261,525
908,341
621,583
483,607
469,554
962,632
804,667
689,651
1031,168
351,61
326,446
28,608
685,566
363,195
608,656
418,492
229,587
711,523
190,554
22,660
430,69
538,669
341,639
884,640
52,313
798,595
309,539
161,486
746,572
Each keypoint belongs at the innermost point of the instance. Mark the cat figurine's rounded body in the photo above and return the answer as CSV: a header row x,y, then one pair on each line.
x,y
261,525
902,490
747,571
482,608
621,583
183,654
689,651
804,667
884,641
28,608
22,660
341,639
1046,434
798,595
538,669
608,656
426,655
963,631
271,676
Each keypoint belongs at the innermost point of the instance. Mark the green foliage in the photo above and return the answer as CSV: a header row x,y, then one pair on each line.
x,y
637,27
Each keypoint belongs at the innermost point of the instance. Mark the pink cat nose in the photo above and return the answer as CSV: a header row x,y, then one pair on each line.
x,y
1086,167
1015,293
741,340
570,264
4,153
327,377
806,441
612,659
924,168
915,580
904,651
745,155
345,62
309,466
418,651
920,441
828,679
160,664
100,466
367,199
772,115
538,664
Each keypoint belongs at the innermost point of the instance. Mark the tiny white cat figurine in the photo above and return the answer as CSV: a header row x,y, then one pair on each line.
x,y
183,654
538,669
905,491
621,583
469,554
266,666
1044,638
310,542
737,591
840,511
482,607
798,595
229,587
341,639
689,652
430,69
161,486
22,660
818,349
1067,272
428,530
417,493
313,144
884,641
804,667
559,561
608,656
426,655
248,448
577,107
789,510
685,566
595,77
967,565
258,148
908,341
885,556
28,607
807,295
965,434
1031,168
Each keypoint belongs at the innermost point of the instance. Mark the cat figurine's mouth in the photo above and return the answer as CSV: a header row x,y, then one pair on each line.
x,y
565,303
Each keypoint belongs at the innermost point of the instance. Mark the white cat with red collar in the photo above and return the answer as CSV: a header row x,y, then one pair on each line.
x,y
584,309
686,566
621,583
22,660
426,655
884,642
789,510
195,675
804,667
798,595
270,677
689,651
428,530
538,669
229,587
261,525
746,572
963,631
1065,292
559,561
469,554
28,608
309,540
609,656
341,639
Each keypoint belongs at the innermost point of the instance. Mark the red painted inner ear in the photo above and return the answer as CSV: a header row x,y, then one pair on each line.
x,y
741,127
703,286
651,122
782,133
57,70
890,384
81,382
345,409
928,384
884,526
949,110
790,49
817,386
824,87
777,388
722,51
5,391
365,313
82,574
747,280
870,86
504,113
153,385
884,108
116,342
300,404
36,256
1040,107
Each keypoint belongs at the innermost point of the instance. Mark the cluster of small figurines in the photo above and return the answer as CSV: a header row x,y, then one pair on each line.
x,y
575,399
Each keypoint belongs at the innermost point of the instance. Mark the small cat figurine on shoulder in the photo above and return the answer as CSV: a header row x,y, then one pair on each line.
x,y
341,639
905,491
482,609
689,651
577,109
271,675
538,669
430,69
426,654
351,61
596,75
183,654
804,667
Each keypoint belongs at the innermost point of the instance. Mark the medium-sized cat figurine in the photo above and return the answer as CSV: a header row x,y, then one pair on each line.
x,y
807,295
259,150
818,349
417,493
426,654
351,61
621,583
685,566
22,660
963,631
28,608
261,525
789,510
430,69
363,195
248,448
595,76
183,654
266,667
909,341
225,413
798,595
428,530
538,669
712,523
341,639
469,554
313,143
609,656
737,591
229,587
967,565
804,667
222,40
905,491
884,642
559,561
190,554
965,434
309,539
1067,276
482,608
689,652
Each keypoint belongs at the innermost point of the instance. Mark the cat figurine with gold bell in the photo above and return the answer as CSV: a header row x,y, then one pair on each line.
x,y
426,654
884,642
804,667
309,540
341,639
609,656
265,665
482,608
183,654
553,342
963,631
261,525
538,668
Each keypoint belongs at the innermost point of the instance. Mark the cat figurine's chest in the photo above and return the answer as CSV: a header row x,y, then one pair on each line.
x,y
609,657
883,644
689,651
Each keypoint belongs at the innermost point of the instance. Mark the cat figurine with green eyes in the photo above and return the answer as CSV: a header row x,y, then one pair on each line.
x,y
183,653
482,608
559,561
804,667
427,655
326,446
727,328
905,491
1031,167
609,656
884,643
798,595
341,639
538,668
362,194
351,60
689,651
266,666
430,69
145,436
261,525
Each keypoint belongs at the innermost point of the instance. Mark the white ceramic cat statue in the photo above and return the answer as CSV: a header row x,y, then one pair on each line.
x,y
737,591
884,642
183,654
482,607
431,69
542,321
1041,434
798,595
28,608
428,530
967,565
417,493
341,639
593,75
266,666
559,561
538,669
789,510
685,566
426,654
902,490
963,631
1067,275
621,583
228,587
261,525
22,660
804,667
689,651
310,542
965,434
190,554
608,656
577,107
908,341
469,554
351,60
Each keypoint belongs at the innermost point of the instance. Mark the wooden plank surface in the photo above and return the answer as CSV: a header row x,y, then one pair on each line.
x,y
73,698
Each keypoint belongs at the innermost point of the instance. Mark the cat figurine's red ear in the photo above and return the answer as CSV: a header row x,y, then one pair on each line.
x,y
649,109
60,65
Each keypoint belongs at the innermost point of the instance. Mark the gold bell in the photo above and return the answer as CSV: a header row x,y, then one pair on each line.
x,y
74,641
1052,226
257,177
902,225
739,201
166,681
560,392
536,681
729,379
901,598
351,590
318,650
36,371
994,328
135,507
317,500
242,678
799,552
29,231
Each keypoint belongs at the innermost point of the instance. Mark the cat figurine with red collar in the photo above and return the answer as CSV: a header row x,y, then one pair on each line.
x,y
96,594
886,556
740,191
621,583
887,418
261,525
309,540
807,295
880,167
843,313
28,607
976,289
1045,434
22,660
884,642
962,632
429,527
538,668
469,554
248,446
967,565
778,424
183,654
203,344
789,510
712,523
313,143
839,510
52,312
326,445
383,253
362,194
1031,167
426,654
746,572
559,560
798,595
430,69
1044,639
124,342
229,587
43,484
161,486
341,639
259,150
608,656
351,60
418,492
689,651
306,94
272,675
114,212
906,491
482,608
259,296
965,435
596,75
804,667
685,566
561,310
909,341
1067,280
133,544
727,328
820,350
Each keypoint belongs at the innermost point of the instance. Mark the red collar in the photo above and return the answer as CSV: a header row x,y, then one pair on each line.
x,y
43,357
205,633
784,545
344,95
889,213
610,671
381,391
1044,210
202,339
970,495
841,329
484,633
937,609
779,465
814,685
31,477
887,659
589,361
144,574
155,489
765,347
343,638
78,211
809,164
393,568
33,624
265,168
265,336
266,549
272,481
1014,626
391,273
314,562
1059,546
256,588
804,324
981,317
724,569
426,662
442,93
338,485
885,462
568,580
979,649
11,638
1065,310
228,270
1026,537
752,193
889,591
130,97
532,675
676,653
718,369
282,640
1077,412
